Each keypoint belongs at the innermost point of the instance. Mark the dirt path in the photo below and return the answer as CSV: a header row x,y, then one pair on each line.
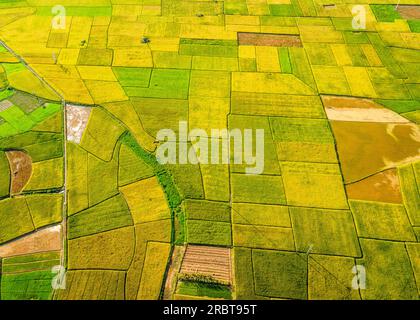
x,y
174,267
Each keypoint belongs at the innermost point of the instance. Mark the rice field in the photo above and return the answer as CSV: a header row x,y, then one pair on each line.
x,y
82,190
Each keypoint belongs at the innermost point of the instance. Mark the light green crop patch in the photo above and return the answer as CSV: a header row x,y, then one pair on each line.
x,y
108,215
244,276
15,219
74,11
212,48
133,77
320,54
171,60
385,12
260,214
410,193
131,168
102,178
263,237
382,221
209,232
164,83
381,259
77,181
330,278
325,231
45,209
313,185
4,175
31,262
17,119
46,175
331,80
244,122
35,285
235,7
257,189
266,104
101,127
305,130
207,210
158,113
286,276
210,84
309,139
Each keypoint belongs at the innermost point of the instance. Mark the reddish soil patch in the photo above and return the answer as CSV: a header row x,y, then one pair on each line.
x,y
409,12
21,167
210,261
265,39
48,239
382,187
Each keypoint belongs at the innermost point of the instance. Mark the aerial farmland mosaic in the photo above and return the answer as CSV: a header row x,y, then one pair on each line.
x,y
209,149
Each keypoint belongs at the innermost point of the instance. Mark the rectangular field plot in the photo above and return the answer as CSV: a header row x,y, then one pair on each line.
x,y
93,285
257,189
263,237
308,139
325,231
209,232
381,258
211,261
382,221
249,103
207,210
313,185
280,274
157,255
260,214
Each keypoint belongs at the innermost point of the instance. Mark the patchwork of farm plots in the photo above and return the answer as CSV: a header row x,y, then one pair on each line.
x,y
81,189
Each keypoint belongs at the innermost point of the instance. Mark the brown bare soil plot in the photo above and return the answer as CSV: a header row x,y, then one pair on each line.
x,y
48,239
21,167
409,12
211,261
382,187
266,39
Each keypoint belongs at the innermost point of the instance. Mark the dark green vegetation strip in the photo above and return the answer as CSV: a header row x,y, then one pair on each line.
x,y
166,181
